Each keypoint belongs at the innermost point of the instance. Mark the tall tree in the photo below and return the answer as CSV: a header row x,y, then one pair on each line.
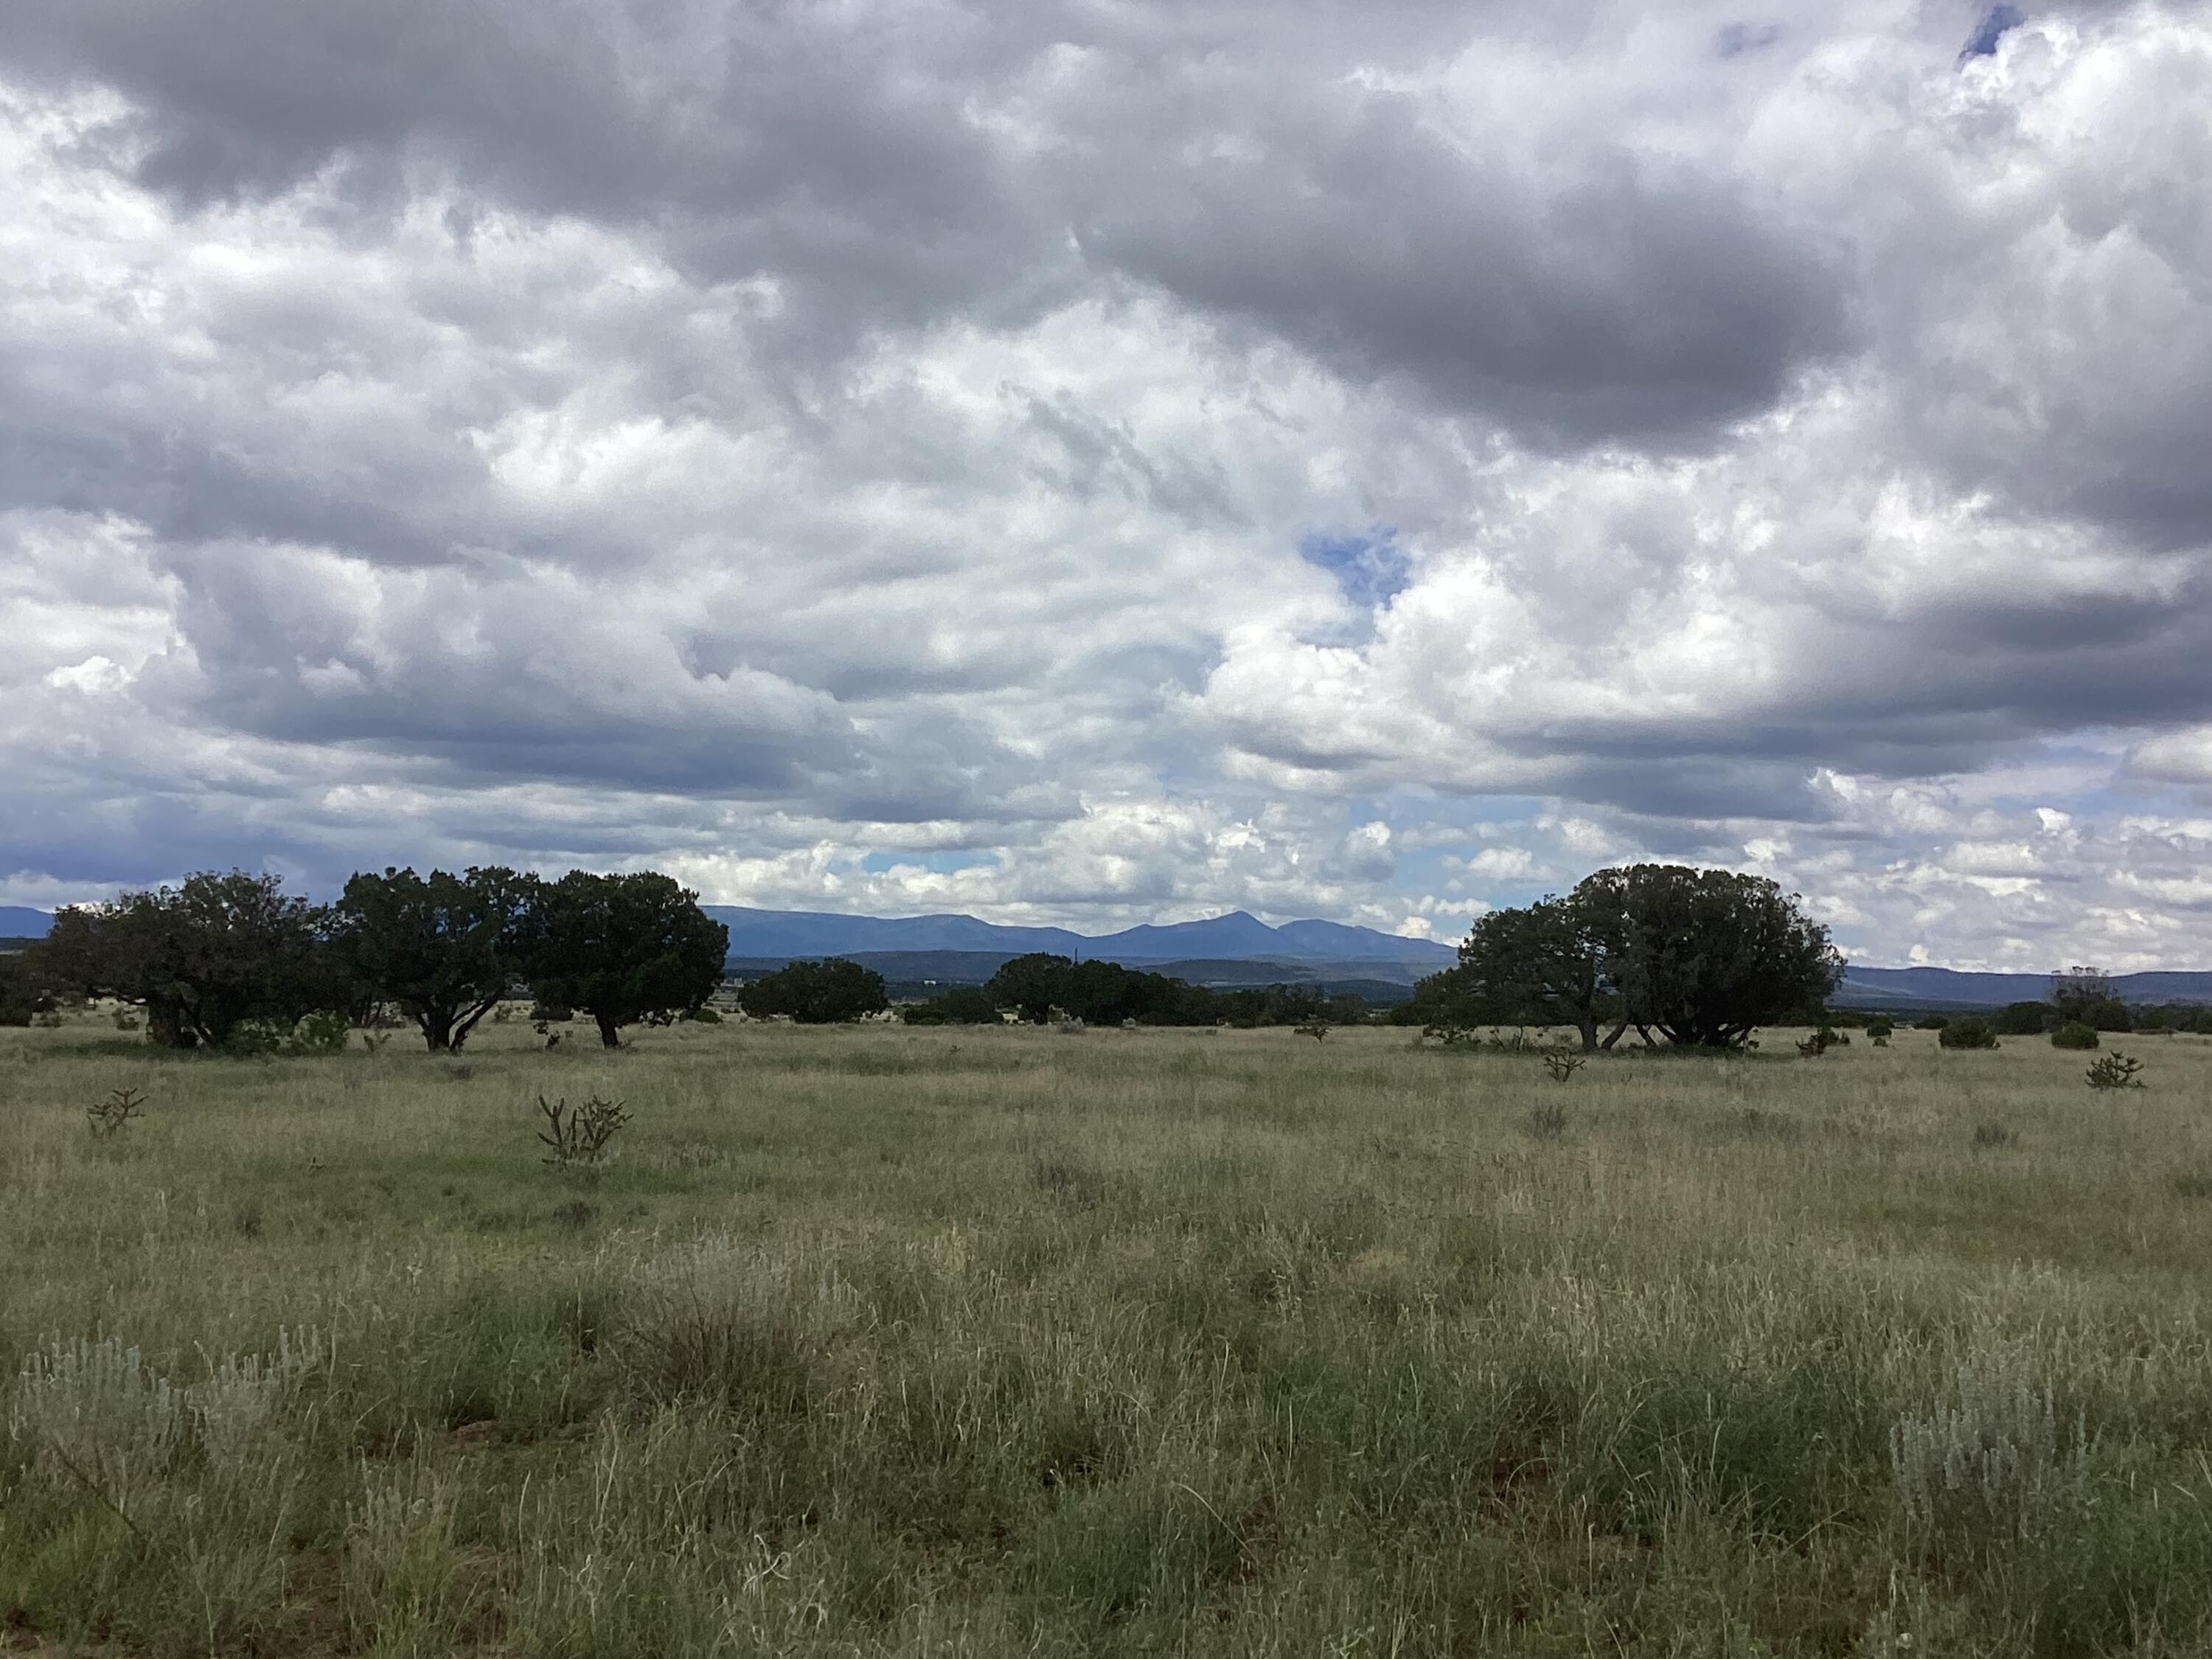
x,y
442,946
1706,957
2088,996
624,949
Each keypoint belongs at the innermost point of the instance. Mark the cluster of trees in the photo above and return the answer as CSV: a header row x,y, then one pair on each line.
x,y
1035,989
1701,958
2089,997
1041,985
225,956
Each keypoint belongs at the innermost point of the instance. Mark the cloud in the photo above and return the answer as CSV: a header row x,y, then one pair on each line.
x,y
1096,465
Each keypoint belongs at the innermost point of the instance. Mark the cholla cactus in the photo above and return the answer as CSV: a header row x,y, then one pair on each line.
x,y
1984,1470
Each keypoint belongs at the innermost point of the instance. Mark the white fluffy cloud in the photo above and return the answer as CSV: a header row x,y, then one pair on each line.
x,y
1091,467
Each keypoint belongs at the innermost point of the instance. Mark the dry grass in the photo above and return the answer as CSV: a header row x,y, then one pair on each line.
x,y
868,1341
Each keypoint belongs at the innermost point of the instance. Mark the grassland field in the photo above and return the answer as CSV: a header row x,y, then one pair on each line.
x,y
868,1340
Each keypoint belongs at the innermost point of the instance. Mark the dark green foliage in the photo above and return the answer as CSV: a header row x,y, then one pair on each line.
x,y
2074,1035
443,947
623,949
1032,985
1706,957
2088,995
20,987
1931,1021
956,1004
815,993
1880,1027
221,958
1556,963
2024,1019
1967,1034
702,1017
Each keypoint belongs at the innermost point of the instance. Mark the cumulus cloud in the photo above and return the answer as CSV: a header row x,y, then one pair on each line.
x,y
1100,465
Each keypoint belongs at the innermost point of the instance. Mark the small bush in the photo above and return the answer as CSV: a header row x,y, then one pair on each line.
x,y
2074,1035
322,1033
702,1016
1985,1470
1967,1034
1563,1066
1880,1027
1931,1023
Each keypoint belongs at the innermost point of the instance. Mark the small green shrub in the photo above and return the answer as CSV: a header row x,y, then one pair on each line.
x,y
1880,1027
1967,1034
325,1032
1931,1023
702,1016
2074,1035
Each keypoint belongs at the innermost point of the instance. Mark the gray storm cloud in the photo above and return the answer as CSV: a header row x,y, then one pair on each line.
x,y
862,456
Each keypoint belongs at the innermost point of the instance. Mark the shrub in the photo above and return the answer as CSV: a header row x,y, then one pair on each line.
x,y
1986,1470
1931,1023
1967,1034
324,1032
2074,1035
1880,1027
702,1016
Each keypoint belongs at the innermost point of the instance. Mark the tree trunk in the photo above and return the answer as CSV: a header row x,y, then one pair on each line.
x,y
610,1033
1587,1026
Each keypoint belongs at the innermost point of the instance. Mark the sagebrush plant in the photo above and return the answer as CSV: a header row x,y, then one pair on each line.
x,y
1986,1466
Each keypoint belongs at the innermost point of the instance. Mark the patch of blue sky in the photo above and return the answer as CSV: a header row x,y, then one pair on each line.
x,y
1369,567
1983,43
941,864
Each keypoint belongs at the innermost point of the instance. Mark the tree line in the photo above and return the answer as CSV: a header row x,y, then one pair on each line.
x,y
225,959
1035,989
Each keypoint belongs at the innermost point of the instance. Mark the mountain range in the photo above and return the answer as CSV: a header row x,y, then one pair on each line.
x,y
1896,988
1318,949
1237,937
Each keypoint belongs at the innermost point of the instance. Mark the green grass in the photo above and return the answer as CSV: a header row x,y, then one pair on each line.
x,y
871,1341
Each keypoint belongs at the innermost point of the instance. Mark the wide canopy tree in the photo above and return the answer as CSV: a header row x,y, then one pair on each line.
x,y
444,947
206,957
1706,957
623,949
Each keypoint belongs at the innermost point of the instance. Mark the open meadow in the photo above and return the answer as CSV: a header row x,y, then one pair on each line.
x,y
877,1340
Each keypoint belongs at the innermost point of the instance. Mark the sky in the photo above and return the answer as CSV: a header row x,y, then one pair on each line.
x,y
1102,461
